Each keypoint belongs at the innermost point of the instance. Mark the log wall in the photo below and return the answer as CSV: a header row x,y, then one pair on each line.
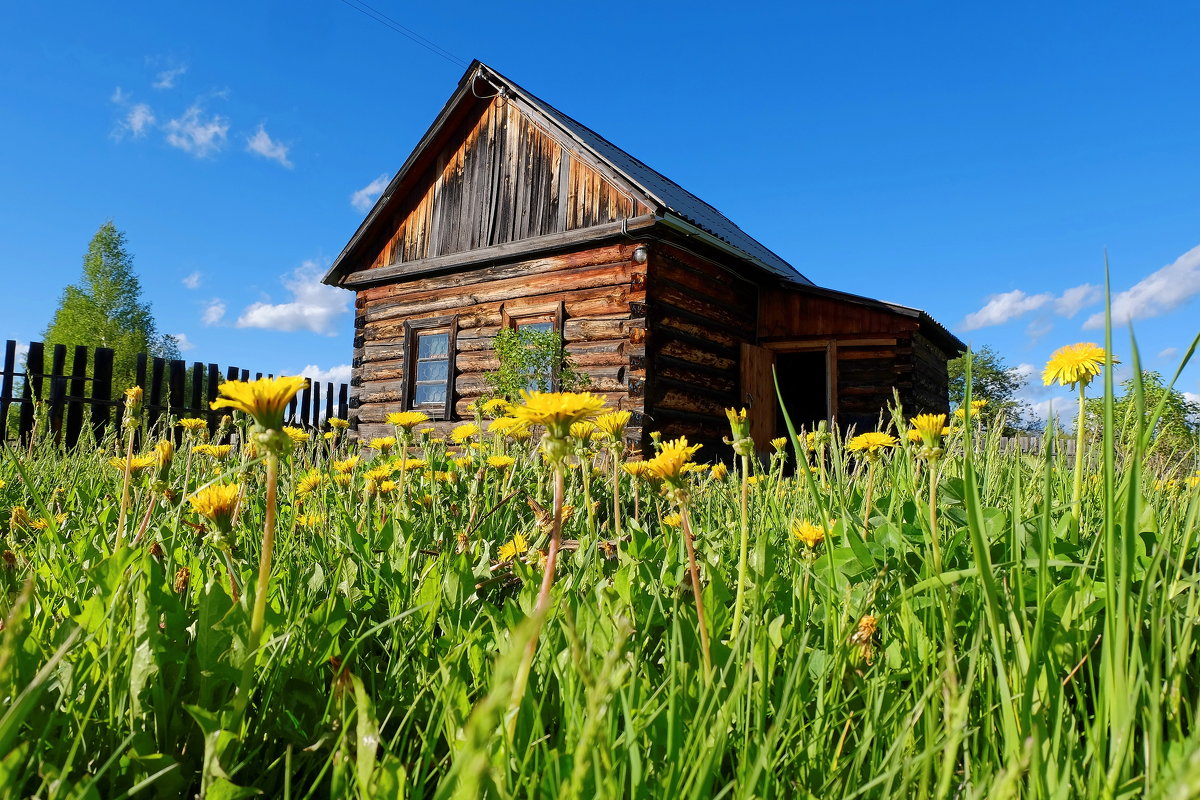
x,y
699,314
601,292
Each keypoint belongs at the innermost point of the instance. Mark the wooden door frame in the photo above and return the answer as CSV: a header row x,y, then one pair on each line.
x,y
829,346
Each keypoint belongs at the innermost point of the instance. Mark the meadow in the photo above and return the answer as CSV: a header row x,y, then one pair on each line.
x,y
910,615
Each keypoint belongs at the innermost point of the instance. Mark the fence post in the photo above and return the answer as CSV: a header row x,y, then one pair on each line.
x,y
155,404
6,384
102,399
177,385
305,403
75,395
58,390
31,388
197,399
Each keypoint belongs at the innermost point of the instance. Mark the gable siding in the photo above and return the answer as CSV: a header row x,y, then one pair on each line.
x,y
501,179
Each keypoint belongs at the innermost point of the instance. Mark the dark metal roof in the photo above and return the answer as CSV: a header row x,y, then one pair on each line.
x,y
670,196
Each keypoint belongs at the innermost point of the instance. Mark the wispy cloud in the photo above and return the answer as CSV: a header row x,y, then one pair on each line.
x,y
313,306
1077,298
214,312
1156,294
166,79
1001,308
262,144
195,133
339,374
138,116
1168,353
184,343
192,281
364,198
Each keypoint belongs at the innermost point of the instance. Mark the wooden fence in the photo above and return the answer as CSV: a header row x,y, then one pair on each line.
x,y
1034,444
170,386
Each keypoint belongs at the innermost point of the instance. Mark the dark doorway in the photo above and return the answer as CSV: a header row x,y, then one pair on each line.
x,y
804,385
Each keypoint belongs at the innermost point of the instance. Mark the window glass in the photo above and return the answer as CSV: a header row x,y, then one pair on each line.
x,y
430,373
432,370
536,325
433,345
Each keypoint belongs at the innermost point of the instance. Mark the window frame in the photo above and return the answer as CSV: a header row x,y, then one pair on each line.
x,y
413,330
514,315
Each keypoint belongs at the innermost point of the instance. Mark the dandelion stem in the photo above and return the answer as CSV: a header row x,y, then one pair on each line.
x,y
739,604
125,481
1080,432
258,617
695,572
866,513
542,606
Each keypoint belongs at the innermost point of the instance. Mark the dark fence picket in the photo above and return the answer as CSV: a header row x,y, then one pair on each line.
x,y
58,390
102,399
6,382
31,388
165,385
76,397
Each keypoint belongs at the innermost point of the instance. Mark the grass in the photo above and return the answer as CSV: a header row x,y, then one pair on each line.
x,y
1051,657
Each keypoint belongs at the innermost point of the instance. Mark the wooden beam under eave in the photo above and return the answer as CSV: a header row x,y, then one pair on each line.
x,y
520,248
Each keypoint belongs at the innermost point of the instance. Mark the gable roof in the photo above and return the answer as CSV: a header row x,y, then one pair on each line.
x,y
669,199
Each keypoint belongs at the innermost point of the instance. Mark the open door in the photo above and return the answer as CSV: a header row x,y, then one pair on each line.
x,y
758,394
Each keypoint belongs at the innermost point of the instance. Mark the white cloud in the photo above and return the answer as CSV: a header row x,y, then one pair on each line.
x,y
262,144
214,312
192,281
364,198
338,374
1161,291
166,78
184,342
1001,308
1037,329
313,307
1073,300
193,133
139,118
22,350
1168,353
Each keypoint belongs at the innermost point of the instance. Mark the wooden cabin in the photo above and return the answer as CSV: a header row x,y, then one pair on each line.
x,y
510,213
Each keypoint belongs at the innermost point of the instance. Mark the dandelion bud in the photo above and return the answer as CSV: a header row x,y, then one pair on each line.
x,y
133,405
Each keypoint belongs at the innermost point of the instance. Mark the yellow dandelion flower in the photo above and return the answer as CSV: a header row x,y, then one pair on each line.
x,y
345,465
407,419
464,432
872,443
387,487
809,533
217,451
309,520
309,482
613,423
501,462
672,520
1076,364
18,518
557,411
136,464
264,400
505,425
379,473
582,430
754,480
343,479
462,462
338,424
514,547
411,464
719,471
779,443
496,407
382,443
296,435
216,503
671,464
193,424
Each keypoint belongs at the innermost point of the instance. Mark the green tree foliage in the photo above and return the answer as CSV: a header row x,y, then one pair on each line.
x,y
994,381
105,309
1177,434
533,360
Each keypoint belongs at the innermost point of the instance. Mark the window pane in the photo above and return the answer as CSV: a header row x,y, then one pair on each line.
x,y
432,370
541,327
433,345
426,393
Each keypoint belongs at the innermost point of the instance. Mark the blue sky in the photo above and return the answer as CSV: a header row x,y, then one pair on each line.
x,y
973,161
